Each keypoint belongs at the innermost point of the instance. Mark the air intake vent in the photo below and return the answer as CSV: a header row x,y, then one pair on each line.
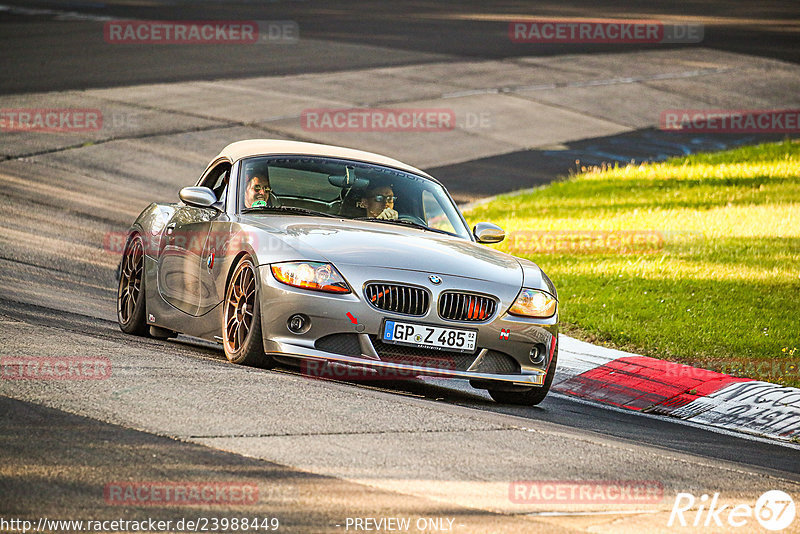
x,y
398,298
466,307
346,344
498,363
435,359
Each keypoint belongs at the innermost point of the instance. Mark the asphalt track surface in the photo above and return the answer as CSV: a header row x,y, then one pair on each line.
x,y
176,411
52,54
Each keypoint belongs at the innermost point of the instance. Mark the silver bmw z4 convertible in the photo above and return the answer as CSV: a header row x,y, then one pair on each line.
x,y
299,253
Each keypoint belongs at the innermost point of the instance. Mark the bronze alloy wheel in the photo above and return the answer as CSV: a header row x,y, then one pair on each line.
x,y
130,294
239,306
241,328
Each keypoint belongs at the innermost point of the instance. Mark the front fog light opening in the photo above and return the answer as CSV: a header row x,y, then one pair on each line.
x,y
538,354
298,323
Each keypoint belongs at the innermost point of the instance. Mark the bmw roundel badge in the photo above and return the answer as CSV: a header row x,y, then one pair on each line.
x,y
435,279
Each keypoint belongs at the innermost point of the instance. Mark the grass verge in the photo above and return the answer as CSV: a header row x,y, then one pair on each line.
x,y
694,260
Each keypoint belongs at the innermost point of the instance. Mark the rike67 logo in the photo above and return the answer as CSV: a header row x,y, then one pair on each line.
x,y
774,510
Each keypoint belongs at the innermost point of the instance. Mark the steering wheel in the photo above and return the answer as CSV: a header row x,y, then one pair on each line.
x,y
412,218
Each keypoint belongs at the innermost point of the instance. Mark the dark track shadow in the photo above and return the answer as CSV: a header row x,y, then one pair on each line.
x,y
532,168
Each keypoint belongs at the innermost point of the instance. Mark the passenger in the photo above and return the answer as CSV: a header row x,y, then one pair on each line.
x,y
379,202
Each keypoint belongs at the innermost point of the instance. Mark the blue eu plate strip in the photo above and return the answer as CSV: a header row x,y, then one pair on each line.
x,y
388,330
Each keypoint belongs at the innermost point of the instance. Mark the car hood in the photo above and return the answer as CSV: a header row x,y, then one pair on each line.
x,y
372,244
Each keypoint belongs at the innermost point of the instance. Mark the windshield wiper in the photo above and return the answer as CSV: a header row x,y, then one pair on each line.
x,y
289,209
401,221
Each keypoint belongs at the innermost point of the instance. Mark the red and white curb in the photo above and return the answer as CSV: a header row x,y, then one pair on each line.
x,y
649,385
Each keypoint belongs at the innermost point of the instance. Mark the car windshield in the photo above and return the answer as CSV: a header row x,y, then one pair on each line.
x,y
348,189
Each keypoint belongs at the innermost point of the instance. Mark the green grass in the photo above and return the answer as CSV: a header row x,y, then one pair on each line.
x,y
721,291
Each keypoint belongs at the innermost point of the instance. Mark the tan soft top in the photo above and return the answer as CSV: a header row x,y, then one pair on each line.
x,y
265,147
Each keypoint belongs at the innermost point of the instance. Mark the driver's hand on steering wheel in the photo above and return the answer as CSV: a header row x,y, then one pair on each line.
x,y
388,213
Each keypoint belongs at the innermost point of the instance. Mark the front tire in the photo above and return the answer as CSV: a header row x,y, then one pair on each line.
x,y
530,396
131,305
241,320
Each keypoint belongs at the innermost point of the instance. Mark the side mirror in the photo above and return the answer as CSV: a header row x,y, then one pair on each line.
x,y
486,232
199,197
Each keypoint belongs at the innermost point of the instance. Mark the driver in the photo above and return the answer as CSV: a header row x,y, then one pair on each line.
x,y
379,202
258,191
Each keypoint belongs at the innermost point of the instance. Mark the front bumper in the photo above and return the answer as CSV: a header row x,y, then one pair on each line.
x,y
504,342
528,378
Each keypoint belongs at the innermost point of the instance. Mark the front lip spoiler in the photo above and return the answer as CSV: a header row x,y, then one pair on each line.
x,y
530,378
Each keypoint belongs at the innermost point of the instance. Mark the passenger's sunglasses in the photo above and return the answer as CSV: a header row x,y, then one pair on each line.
x,y
387,198
260,188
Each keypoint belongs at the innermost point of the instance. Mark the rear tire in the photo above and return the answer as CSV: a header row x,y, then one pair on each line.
x,y
530,396
241,319
131,302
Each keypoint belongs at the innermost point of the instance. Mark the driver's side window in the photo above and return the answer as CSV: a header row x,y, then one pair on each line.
x,y
217,180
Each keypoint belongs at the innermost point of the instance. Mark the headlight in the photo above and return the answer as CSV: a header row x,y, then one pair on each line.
x,y
534,303
310,275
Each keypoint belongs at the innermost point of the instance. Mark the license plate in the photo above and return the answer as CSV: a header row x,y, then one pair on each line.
x,y
428,336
